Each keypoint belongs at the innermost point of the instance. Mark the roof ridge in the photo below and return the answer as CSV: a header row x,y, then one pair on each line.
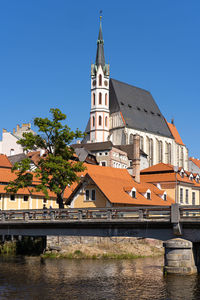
x,y
130,85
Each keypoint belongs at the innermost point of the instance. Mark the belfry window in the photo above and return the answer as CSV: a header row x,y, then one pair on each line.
x,y
93,121
106,121
93,99
100,80
100,98
100,120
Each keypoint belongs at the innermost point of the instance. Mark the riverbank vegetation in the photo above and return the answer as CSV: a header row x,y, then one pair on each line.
x,y
120,250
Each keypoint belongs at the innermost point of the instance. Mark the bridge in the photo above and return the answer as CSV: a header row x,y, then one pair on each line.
x,y
162,223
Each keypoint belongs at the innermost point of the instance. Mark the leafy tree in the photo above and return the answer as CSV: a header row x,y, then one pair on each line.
x,y
57,169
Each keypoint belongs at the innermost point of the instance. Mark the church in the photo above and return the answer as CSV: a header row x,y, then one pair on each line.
x,y
120,110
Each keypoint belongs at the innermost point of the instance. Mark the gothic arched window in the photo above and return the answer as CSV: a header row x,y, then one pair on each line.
x,y
131,139
100,80
93,99
93,121
100,98
106,121
100,120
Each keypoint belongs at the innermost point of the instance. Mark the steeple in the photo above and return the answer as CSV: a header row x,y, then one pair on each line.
x,y
100,59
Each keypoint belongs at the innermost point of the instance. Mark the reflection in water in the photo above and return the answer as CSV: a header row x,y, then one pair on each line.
x,y
28,278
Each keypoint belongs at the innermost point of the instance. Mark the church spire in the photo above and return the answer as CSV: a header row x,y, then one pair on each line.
x,y
100,59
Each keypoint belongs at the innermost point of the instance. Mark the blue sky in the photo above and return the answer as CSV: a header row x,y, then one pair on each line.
x,y
47,47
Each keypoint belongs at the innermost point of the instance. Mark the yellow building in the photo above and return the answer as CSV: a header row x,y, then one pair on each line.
x,y
101,187
24,198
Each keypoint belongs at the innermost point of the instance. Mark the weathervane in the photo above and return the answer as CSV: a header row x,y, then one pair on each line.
x,y
100,14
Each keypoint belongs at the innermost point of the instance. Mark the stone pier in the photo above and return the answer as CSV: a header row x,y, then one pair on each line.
x,y
179,258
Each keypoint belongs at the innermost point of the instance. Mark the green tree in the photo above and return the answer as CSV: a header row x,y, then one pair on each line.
x,y
58,169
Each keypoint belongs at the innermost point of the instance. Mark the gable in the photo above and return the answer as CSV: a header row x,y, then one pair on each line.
x,y
138,108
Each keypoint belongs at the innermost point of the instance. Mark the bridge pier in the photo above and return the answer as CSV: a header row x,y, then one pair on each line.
x,y
179,257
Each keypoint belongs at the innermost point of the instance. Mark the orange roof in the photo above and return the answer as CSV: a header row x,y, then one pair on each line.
x,y
112,182
4,162
158,173
175,133
195,161
161,167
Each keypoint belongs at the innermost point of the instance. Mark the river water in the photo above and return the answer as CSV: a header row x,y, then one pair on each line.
x,y
31,278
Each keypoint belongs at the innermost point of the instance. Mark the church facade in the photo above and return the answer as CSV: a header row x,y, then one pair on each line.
x,y
119,111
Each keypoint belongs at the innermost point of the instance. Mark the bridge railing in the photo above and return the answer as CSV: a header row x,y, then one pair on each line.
x,y
118,213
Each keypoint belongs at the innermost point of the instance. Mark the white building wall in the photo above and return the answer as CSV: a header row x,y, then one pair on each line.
x,y
9,143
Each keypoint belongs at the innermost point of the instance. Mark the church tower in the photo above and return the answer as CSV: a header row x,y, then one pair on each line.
x,y
99,113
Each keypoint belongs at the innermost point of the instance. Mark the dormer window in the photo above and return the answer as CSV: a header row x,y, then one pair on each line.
x,y
100,80
191,177
197,178
149,195
165,196
133,194
182,173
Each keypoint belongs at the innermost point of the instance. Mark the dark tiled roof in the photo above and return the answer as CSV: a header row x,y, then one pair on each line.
x,y
94,146
138,108
103,146
16,158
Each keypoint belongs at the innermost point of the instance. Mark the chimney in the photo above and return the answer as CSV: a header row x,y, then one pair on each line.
x,y
13,130
18,127
136,158
4,130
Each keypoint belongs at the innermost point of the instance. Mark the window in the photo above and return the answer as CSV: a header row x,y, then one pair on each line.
x,y
106,99
131,139
93,99
186,196
100,80
12,152
0,197
106,121
25,198
100,120
45,201
103,163
93,121
93,195
181,195
12,197
90,195
193,198
87,195
100,98
141,143
148,195
160,151
165,197
133,194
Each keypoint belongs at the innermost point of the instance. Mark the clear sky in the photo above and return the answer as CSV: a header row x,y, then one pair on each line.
x,y
47,47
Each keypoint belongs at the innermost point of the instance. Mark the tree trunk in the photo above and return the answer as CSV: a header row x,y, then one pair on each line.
x,y
60,200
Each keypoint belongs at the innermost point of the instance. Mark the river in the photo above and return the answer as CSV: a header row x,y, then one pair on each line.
x,y
31,278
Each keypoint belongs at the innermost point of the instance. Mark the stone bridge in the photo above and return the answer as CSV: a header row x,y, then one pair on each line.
x,y
180,223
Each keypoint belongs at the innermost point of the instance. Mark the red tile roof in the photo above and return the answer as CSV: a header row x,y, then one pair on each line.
x,y
4,162
112,182
195,161
175,133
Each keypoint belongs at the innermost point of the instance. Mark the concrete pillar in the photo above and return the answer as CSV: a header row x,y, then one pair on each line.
x,y
179,258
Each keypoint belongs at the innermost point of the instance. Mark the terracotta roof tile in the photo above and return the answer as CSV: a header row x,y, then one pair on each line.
x,y
112,181
175,133
195,161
